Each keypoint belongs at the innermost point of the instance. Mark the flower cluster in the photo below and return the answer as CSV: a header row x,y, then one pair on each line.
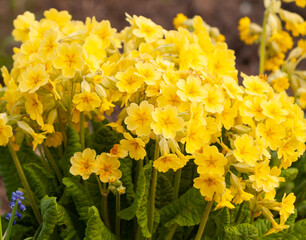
x,y
281,56
178,89
17,198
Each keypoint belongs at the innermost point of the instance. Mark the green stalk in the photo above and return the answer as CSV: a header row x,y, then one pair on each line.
x,y
10,225
117,217
105,210
82,133
153,190
1,238
262,53
53,163
204,220
139,167
101,192
177,180
47,167
25,182
239,212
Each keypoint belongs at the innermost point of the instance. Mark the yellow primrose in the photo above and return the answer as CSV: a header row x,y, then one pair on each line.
x,y
168,161
244,29
5,131
22,26
54,140
273,109
128,81
148,72
86,101
139,118
70,58
210,161
48,45
118,151
34,108
232,88
61,18
147,29
38,138
190,89
84,163
245,150
179,20
213,99
254,85
195,137
108,166
166,121
135,146
224,200
33,78
286,207
209,184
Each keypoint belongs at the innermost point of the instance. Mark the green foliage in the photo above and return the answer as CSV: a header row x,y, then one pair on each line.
x,y
40,181
79,195
73,145
95,228
140,204
187,210
164,191
103,139
55,215
126,167
19,231
243,231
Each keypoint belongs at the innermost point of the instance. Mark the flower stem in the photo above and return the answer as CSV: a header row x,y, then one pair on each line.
x,y
262,53
1,238
105,212
82,134
53,163
10,225
117,217
239,212
153,190
25,182
204,220
177,180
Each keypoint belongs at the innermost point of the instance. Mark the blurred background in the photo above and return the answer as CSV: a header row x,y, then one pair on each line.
x,y
223,14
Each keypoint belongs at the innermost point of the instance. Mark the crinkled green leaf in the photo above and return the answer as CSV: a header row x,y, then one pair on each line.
x,y
53,215
39,179
189,172
297,231
222,218
243,231
103,139
289,174
126,167
187,210
80,198
164,191
140,204
73,145
95,228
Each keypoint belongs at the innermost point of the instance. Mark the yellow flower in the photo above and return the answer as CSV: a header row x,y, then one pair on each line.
x,y
213,99
34,107
274,109
118,151
280,84
128,81
33,78
70,58
148,72
286,207
169,161
169,96
108,167
252,107
302,45
105,32
209,184
303,100
166,121
237,189
245,150
86,101
60,17
135,146
228,115
147,29
84,163
224,200
22,26
210,161
48,45
283,40
190,89
54,139
195,137
179,20
254,85
300,3
288,152
274,62
38,138
272,133
192,56
139,118
5,131
245,34
232,88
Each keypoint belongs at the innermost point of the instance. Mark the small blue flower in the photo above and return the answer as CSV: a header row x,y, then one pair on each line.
x,y
8,216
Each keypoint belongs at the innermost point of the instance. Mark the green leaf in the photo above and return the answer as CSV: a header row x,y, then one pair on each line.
x,y
104,138
244,231
263,226
126,167
297,231
19,232
164,191
189,172
39,179
140,204
187,210
53,215
79,195
95,228
73,145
